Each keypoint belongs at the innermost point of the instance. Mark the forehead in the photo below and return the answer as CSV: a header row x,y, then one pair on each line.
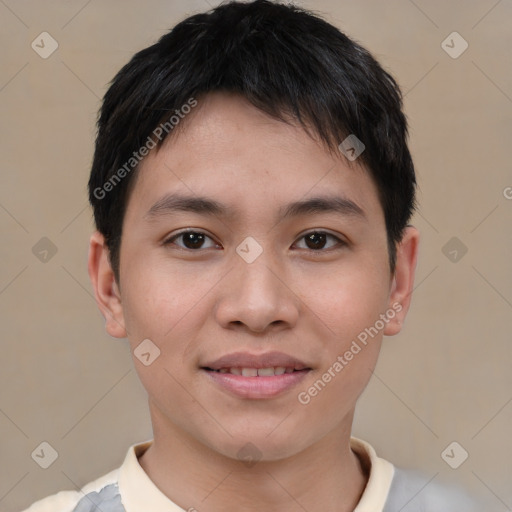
x,y
228,150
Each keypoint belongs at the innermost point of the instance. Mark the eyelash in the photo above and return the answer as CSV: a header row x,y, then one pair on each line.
x,y
340,243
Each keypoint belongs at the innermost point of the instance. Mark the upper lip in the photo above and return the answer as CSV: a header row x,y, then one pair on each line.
x,y
248,360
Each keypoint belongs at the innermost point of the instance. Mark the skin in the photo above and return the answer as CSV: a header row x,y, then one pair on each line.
x,y
198,306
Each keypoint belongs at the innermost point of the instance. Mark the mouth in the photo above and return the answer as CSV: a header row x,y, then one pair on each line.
x,y
250,376
246,364
270,371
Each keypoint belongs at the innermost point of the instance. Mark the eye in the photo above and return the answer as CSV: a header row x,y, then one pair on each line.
x,y
191,240
317,240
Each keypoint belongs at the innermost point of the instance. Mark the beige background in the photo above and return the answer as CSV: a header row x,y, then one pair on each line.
x,y
445,378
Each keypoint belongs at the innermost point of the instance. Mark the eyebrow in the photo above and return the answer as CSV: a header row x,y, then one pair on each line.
x,y
323,204
172,203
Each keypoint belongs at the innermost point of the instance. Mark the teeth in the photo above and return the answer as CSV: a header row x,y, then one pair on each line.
x,y
257,372
266,372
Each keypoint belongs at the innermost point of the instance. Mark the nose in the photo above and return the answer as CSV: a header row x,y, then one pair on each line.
x,y
256,297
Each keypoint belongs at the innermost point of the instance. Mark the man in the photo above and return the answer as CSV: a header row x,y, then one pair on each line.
x,y
252,188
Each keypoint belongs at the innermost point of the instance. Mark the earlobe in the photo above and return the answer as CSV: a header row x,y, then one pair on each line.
x,y
106,290
403,279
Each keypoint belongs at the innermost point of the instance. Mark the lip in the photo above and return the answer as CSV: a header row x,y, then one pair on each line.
x,y
248,360
256,387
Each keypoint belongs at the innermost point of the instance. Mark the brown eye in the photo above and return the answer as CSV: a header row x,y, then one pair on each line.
x,y
317,240
192,240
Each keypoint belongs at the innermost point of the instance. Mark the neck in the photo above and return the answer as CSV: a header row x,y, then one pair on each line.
x,y
326,476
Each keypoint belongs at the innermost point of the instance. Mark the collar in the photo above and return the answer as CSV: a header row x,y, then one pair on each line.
x,y
138,492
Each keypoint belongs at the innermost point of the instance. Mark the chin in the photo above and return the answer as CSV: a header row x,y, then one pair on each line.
x,y
258,445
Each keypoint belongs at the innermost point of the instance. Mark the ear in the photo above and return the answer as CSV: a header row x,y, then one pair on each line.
x,y
106,291
403,279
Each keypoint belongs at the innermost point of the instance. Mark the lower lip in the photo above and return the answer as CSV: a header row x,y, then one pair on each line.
x,y
257,387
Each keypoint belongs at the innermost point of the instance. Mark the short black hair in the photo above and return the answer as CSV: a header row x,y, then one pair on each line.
x,y
284,60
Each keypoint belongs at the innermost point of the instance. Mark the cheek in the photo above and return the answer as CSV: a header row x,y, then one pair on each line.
x,y
157,302
168,308
165,309
346,298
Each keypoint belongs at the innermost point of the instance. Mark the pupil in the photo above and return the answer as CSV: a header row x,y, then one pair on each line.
x,y
193,240
317,240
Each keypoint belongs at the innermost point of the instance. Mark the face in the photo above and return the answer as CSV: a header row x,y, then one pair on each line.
x,y
287,253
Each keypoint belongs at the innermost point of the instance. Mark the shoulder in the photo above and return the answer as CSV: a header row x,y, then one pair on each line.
x,y
67,501
413,491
